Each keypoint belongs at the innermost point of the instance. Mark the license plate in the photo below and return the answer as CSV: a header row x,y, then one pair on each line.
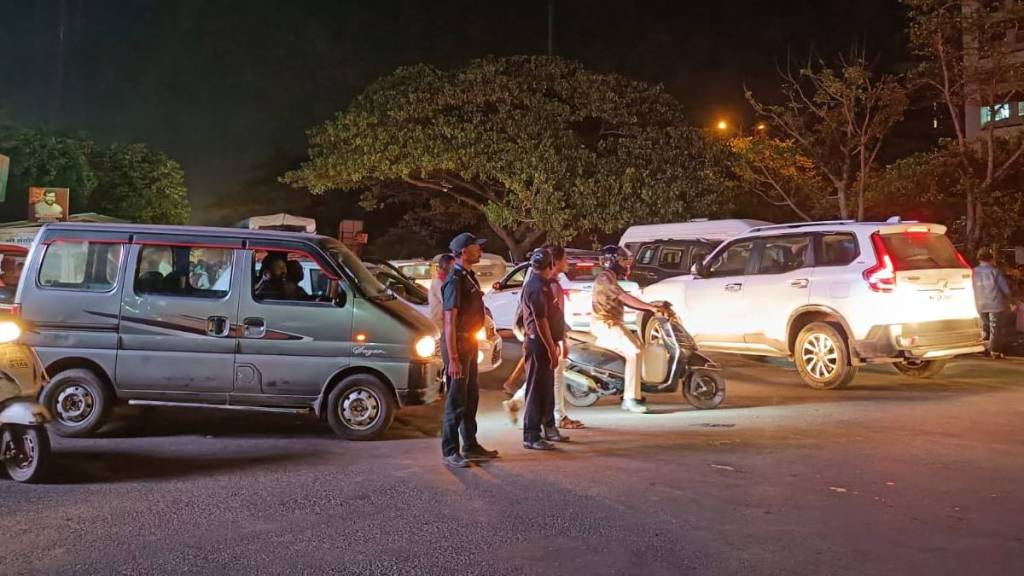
x,y
16,359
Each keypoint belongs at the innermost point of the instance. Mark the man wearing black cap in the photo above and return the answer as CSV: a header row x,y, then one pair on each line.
x,y
539,310
463,318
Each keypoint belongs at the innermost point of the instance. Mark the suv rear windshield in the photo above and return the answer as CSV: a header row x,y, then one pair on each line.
x,y
921,251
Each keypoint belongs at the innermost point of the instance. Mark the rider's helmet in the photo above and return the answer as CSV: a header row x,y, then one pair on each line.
x,y
617,259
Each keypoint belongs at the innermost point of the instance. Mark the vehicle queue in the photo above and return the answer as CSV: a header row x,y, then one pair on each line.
x,y
117,314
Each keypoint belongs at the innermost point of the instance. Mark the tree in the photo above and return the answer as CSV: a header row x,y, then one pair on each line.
x,y
838,117
780,175
536,146
138,184
966,57
41,158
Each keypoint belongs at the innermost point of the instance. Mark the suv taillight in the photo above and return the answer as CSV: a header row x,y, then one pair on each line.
x,y
882,276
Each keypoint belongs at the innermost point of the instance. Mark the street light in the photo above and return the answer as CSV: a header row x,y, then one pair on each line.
x,y
761,127
722,125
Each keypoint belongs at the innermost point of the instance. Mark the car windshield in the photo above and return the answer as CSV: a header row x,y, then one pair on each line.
x,y
368,283
921,251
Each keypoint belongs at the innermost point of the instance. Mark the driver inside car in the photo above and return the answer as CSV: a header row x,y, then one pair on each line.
x,y
608,324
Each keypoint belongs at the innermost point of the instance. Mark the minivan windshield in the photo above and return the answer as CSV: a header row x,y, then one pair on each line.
x,y
368,283
921,251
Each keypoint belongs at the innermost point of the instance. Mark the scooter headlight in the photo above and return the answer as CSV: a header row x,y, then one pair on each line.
x,y
9,331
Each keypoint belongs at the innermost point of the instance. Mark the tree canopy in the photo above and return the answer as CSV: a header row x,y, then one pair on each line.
x,y
537,146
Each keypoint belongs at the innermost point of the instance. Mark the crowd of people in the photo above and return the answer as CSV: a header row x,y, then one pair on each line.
x,y
458,305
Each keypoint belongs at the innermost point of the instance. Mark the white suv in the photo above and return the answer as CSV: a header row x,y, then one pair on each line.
x,y
832,296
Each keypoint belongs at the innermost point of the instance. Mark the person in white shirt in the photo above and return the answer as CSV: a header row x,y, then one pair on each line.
x,y
435,302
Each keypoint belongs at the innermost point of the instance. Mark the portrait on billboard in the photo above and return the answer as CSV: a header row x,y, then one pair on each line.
x,y
48,204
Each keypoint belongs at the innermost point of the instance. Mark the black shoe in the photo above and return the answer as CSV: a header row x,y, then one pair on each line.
x,y
553,435
479,453
456,461
538,445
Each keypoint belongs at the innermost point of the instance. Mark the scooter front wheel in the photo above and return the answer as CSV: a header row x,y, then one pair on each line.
x,y
26,452
704,389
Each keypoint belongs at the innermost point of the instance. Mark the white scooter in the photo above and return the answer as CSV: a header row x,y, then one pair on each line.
x,y
24,442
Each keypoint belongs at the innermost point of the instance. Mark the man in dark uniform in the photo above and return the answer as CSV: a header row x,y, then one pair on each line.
x,y
540,311
463,318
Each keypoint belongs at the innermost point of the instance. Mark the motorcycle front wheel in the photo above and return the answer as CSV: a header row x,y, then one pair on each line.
x,y
26,451
704,389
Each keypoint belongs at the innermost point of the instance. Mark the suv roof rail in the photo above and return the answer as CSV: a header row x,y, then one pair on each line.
x,y
799,225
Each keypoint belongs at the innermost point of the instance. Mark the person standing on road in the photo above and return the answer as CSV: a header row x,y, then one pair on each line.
x,y
435,301
558,283
993,297
542,355
608,321
463,318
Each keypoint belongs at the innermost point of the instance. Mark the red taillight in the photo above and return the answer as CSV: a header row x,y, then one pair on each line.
x,y
963,261
16,310
882,276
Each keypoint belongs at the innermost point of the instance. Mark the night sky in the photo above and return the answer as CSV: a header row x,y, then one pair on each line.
x,y
229,88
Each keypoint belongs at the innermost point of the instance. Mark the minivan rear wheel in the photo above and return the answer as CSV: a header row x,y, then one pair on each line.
x,y
822,358
79,401
920,368
361,407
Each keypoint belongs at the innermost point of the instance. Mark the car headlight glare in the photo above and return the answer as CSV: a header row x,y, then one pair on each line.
x,y
481,334
9,332
426,346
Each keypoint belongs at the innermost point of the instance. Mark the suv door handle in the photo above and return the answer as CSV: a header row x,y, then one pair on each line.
x,y
255,327
733,287
799,283
218,326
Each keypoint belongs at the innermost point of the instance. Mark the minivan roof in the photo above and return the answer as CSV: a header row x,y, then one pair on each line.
x,y
693,230
182,230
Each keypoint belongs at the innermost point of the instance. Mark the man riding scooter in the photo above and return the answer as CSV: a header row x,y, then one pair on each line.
x,y
608,324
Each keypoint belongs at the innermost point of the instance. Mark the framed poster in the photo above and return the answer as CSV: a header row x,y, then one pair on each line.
x,y
48,204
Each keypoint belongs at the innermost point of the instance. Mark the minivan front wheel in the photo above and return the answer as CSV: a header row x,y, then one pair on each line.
x,y
79,401
361,407
822,358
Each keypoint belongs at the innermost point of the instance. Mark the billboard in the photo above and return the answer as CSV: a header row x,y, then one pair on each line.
x,y
48,204
5,169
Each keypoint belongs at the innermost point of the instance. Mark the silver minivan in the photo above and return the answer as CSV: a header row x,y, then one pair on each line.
x,y
181,316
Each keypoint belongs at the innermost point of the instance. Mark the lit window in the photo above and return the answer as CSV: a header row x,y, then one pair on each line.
x,y
1020,105
986,115
1000,112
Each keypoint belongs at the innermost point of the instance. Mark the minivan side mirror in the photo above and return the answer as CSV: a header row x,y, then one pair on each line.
x,y
341,298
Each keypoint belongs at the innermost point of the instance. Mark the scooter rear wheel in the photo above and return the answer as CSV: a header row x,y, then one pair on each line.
x,y
29,448
704,389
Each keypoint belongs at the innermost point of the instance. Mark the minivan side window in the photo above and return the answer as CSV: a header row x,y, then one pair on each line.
x,y
285,276
184,271
80,265
784,254
671,258
646,256
838,250
732,261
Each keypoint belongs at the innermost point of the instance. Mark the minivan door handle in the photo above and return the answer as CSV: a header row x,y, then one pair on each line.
x,y
255,327
218,326
799,283
733,287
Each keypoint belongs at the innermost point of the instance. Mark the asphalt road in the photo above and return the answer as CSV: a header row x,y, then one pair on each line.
x,y
894,476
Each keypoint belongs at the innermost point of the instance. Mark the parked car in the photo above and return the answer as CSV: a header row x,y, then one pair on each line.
x,y
176,316
420,270
833,296
490,269
488,355
578,285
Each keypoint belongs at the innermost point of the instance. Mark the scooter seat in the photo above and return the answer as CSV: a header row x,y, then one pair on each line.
x,y
578,336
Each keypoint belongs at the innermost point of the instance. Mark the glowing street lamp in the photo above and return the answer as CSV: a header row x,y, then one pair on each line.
x,y
722,125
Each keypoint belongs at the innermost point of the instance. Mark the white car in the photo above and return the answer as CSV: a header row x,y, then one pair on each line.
x,y
577,283
832,296
488,356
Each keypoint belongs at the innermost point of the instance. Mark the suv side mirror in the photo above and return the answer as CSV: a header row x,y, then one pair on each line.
x,y
698,270
496,286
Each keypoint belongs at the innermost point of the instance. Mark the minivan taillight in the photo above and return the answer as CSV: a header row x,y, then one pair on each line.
x,y
882,276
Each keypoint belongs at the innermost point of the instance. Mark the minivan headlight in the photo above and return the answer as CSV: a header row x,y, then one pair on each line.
x,y
9,331
426,346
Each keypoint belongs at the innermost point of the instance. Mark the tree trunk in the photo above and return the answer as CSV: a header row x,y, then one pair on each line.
x,y
844,209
